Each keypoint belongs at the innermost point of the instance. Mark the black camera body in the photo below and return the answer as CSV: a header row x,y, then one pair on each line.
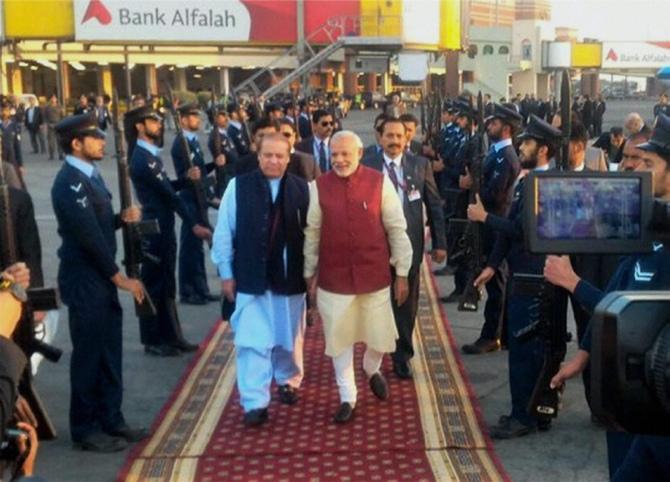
x,y
594,212
630,361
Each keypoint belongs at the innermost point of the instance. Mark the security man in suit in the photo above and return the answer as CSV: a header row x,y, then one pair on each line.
x,y
318,144
539,143
500,170
10,130
412,177
193,287
88,278
237,131
161,334
225,148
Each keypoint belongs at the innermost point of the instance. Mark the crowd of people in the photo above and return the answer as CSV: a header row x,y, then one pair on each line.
x,y
314,227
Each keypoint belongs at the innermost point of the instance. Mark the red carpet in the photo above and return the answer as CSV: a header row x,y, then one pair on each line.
x,y
428,430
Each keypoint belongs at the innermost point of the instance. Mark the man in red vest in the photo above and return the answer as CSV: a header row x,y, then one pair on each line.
x,y
355,228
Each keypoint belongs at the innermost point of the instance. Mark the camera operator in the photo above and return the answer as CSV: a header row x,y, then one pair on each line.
x,y
630,457
13,282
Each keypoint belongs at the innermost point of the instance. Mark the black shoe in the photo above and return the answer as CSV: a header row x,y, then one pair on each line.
x,y
481,346
130,435
379,386
100,442
453,297
509,427
161,350
402,369
544,425
194,300
344,413
288,394
254,418
185,347
211,297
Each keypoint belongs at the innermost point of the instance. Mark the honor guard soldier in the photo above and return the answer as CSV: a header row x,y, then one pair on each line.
x,y
11,140
161,334
500,169
89,278
193,287
237,131
225,148
526,354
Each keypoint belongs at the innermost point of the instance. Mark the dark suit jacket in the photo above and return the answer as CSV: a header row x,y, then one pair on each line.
x,y
371,150
304,127
27,237
306,145
303,165
418,175
416,148
38,119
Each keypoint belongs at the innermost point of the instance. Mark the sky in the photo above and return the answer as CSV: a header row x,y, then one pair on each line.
x,y
615,20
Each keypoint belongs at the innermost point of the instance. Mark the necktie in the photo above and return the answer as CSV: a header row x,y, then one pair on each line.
x,y
392,175
323,161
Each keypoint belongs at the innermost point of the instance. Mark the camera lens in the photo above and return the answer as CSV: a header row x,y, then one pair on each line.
x,y
657,363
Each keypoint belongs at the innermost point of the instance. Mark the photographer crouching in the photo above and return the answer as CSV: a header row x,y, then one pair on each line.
x,y
18,442
631,457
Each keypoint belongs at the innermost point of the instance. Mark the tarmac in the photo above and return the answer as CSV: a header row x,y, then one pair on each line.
x,y
573,450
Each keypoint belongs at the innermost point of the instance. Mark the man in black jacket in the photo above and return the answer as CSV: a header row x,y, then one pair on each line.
x,y
34,121
412,177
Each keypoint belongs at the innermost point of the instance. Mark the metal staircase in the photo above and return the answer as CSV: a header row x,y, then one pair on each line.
x,y
262,83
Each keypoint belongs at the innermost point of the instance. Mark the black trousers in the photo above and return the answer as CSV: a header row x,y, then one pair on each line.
x,y
494,309
159,279
96,382
582,318
405,317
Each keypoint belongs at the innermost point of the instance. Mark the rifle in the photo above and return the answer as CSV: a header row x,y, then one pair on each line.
x,y
38,299
469,300
196,185
220,171
550,320
133,232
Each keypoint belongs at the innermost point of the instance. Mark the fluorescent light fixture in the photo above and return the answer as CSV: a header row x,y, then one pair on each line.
x,y
197,76
23,64
33,67
77,66
104,63
158,66
48,64
200,67
182,66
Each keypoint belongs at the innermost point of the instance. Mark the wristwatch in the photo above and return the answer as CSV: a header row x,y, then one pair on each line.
x,y
14,288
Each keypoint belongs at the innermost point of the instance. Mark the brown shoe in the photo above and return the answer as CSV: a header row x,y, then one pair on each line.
x,y
481,346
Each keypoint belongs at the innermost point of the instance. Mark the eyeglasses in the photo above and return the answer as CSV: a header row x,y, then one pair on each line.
x,y
326,124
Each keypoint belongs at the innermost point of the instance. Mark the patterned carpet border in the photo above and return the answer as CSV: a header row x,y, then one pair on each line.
x,y
192,437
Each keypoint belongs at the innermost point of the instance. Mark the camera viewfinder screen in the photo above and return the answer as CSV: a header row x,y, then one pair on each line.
x,y
589,208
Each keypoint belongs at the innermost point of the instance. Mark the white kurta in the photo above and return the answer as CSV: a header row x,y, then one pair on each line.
x,y
368,318
259,321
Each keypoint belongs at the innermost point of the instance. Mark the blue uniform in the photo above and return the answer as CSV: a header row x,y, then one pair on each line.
x,y
87,225
192,274
500,169
240,138
633,457
227,148
159,200
525,355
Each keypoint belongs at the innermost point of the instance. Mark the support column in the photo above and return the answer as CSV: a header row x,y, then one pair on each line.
x,y
16,79
150,79
350,78
329,81
452,79
387,85
224,80
129,83
339,80
371,82
4,71
105,85
179,78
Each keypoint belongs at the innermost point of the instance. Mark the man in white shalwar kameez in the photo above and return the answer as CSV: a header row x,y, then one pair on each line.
x,y
257,247
355,227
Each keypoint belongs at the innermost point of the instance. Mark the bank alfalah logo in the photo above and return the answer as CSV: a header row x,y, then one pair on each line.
x,y
612,55
96,9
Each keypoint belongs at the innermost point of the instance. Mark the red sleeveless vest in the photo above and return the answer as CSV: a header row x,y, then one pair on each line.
x,y
354,252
